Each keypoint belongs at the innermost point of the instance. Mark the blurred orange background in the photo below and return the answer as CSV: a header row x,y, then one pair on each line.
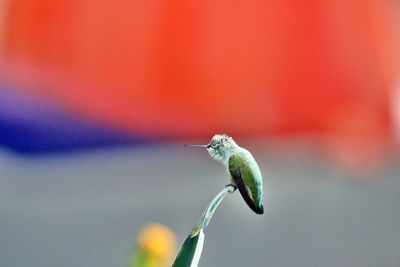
x,y
178,68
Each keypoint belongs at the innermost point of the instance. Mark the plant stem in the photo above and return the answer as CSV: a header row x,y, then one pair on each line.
x,y
209,212
190,252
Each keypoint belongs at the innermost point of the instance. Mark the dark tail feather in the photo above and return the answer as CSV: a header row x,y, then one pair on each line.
x,y
243,191
260,209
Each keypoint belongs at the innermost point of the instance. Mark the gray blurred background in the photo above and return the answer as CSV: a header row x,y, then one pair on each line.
x,y
85,209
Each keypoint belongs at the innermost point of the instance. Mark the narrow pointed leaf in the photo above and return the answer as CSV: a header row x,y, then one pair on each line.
x,y
190,252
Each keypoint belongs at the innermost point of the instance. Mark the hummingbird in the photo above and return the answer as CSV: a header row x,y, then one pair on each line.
x,y
241,166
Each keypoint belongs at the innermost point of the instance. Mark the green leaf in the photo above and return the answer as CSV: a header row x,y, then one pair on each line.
x,y
190,252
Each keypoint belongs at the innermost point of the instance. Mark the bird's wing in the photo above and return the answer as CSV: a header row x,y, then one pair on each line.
x,y
244,179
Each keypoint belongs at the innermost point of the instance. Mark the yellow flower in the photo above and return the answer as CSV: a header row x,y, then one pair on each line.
x,y
158,240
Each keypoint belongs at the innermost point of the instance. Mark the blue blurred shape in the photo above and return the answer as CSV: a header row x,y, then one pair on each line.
x,y
31,126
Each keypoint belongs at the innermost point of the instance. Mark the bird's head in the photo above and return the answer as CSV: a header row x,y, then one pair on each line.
x,y
220,148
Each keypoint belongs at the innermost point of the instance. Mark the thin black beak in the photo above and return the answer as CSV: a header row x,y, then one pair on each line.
x,y
203,146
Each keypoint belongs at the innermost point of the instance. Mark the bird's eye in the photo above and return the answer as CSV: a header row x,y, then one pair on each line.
x,y
216,146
